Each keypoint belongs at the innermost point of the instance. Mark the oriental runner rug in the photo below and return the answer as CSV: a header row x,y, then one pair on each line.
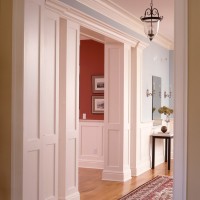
x,y
159,188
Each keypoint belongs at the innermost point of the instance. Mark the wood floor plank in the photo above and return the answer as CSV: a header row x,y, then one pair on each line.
x,y
91,186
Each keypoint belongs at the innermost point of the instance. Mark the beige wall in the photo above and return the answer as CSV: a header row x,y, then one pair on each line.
x,y
5,97
194,101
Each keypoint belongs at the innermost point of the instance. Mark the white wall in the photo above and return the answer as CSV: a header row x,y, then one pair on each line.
x,y
156,62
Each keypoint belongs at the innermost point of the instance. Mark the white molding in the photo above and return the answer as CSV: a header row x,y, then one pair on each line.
x,y
86,121
116,176
180,104
74,196
91,23
145,166
113,11
91,164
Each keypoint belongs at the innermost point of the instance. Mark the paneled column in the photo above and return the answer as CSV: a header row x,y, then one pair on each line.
x,y
40,102
69,110
136,143
117,112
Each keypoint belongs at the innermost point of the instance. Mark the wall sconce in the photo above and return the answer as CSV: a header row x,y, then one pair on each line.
x,y
167,95
150,94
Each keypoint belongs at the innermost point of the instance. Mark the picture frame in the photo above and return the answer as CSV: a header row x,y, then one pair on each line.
x,y
98,84
98,104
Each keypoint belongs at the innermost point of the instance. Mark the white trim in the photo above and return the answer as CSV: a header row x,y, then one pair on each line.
x,y
91,164
91,121
181,85
116,176
74,196
113,11
91,23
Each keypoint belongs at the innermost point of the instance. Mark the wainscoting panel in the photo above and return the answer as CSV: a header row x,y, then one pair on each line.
x,y
33,175
113,149
91,144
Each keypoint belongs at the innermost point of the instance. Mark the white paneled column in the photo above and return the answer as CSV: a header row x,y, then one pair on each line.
x,y
69,110
136,134
40,102
117,112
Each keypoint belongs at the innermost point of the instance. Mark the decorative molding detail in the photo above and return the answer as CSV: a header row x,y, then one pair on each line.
x,y
91,23
113,11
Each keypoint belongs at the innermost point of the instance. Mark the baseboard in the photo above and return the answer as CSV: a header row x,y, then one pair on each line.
x,y
91,164
116,176
74,196
145,166
140,169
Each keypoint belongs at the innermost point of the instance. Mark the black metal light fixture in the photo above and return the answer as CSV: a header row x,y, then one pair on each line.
x,y
151,21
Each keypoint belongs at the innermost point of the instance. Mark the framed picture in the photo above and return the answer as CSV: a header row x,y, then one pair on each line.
x,y
98,104
98,84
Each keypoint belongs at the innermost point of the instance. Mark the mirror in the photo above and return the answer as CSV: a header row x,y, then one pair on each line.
x,y
156,100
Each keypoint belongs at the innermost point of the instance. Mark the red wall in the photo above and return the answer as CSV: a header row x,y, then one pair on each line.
x,y
91,63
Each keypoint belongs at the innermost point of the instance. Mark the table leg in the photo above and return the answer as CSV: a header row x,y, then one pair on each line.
x,y
165,149
153,152
169,152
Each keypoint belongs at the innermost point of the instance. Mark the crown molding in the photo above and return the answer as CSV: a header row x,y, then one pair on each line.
x,y
87,21
113,11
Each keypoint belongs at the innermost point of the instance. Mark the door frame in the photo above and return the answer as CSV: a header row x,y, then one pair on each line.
x,y
180,100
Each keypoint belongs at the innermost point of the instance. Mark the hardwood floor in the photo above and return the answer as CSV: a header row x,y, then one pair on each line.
x,y
91,186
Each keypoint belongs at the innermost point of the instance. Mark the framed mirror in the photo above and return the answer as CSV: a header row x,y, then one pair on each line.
x,y
156,99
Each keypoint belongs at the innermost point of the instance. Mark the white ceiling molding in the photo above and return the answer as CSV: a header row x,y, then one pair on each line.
x,y
113,11
89,34
91,23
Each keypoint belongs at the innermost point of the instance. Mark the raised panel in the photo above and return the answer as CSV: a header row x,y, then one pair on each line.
x,y
48,78
31,186
49,171
72,79
127,150
31,70
90,140
114,85
113,148
71,168
91,144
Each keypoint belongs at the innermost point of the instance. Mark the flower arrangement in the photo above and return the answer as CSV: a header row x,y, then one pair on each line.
x,y
165,110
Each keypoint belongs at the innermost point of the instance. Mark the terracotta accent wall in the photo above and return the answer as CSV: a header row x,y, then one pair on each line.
x,y
5,97
91,63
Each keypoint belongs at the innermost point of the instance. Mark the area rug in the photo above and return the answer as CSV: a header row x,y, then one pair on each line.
x,y
159,188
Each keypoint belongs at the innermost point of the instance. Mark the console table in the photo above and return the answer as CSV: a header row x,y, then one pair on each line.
x,y
167,137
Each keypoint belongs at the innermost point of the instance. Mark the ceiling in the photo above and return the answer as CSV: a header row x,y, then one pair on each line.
x,y
165,8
